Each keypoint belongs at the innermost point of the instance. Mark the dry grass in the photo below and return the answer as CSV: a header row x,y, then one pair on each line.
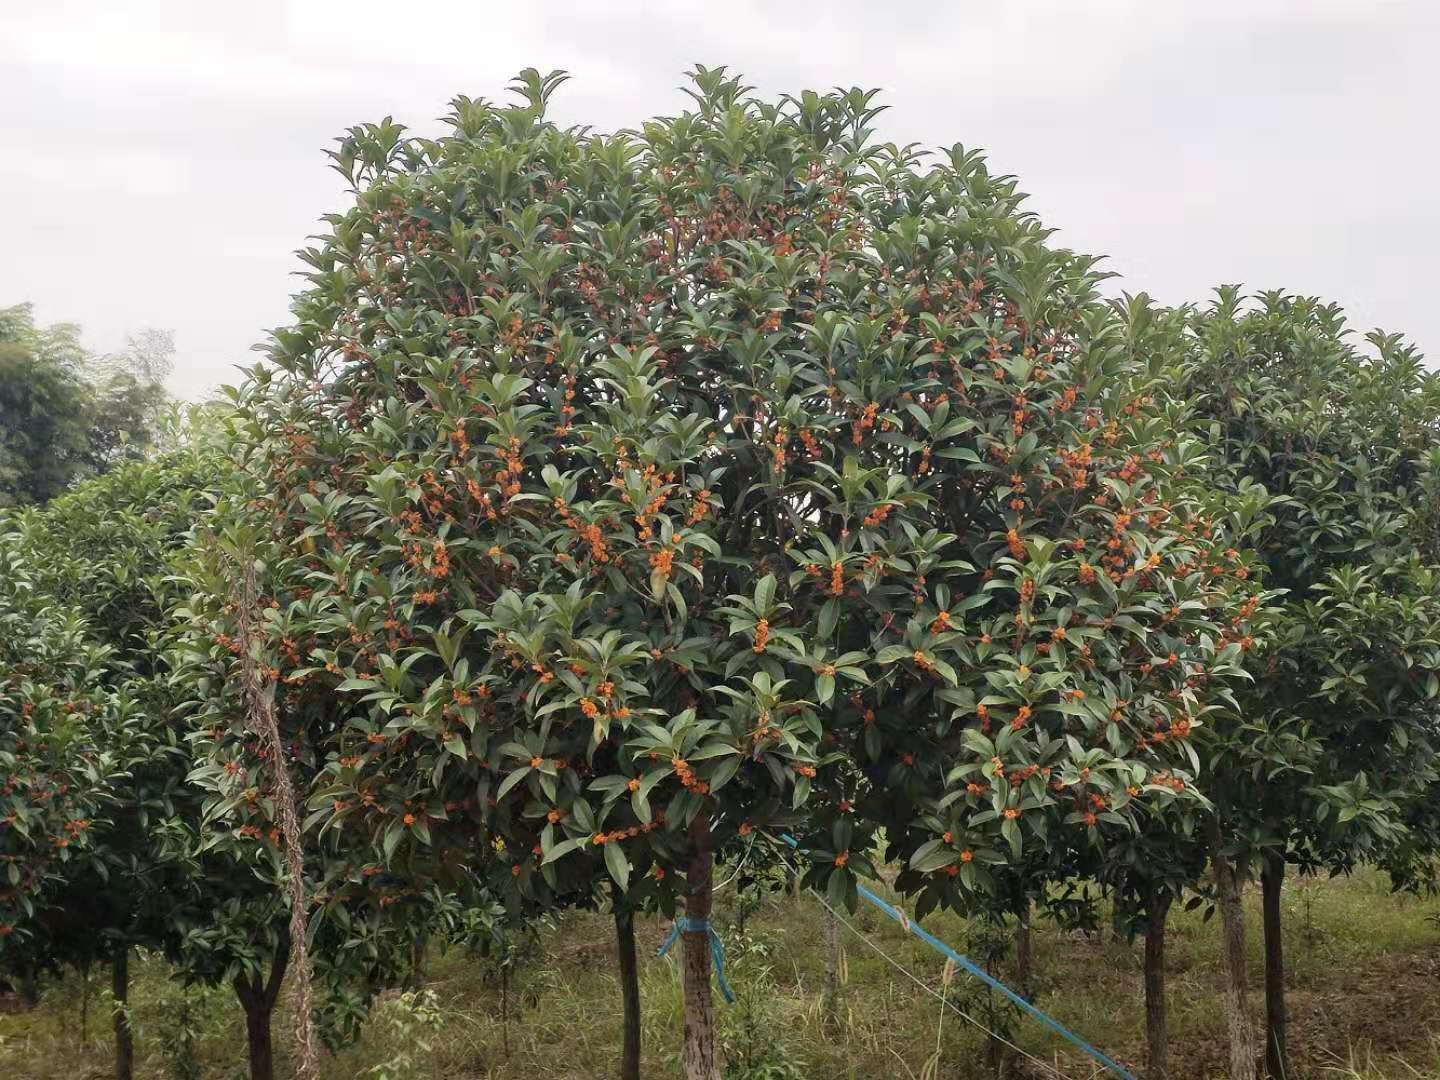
x,y
1365,1003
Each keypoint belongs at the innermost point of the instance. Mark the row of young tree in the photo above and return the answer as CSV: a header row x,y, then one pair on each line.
x,y
613,500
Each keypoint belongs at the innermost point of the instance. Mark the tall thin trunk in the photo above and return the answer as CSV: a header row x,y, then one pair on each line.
x,y
1243,1057
29,986
832,963
259,693
505,1008
1023,951
698,1056
1272,880
415,972
124,1039
85,1003
629,995
1157,1031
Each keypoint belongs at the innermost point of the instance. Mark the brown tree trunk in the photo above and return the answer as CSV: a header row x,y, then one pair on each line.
x,y
29,986
1272,880
259,692
258,999
124,1039
415,971
629,994
698,1056
1157,1031
1243,1058
832,964
257,1032
505,1008
1023,951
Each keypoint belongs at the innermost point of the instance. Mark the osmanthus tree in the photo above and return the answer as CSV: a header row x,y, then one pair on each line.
x,y
101,551
236,921
620,495
1333,752
67,744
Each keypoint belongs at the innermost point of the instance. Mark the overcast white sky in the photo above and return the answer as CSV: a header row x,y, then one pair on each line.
x,y
161,159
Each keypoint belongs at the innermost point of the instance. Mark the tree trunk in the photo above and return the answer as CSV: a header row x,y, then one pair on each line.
x,y
1023,951
258,999
1243,1057
124,1040
505,1007
629,994
1157,1031
698,1057
832,964
257,1032
1272,880
29,986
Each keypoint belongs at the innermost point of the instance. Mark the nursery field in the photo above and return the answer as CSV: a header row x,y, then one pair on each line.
x,y
1365,1002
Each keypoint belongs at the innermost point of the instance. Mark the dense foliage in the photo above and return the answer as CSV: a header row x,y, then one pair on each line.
x,y
614,500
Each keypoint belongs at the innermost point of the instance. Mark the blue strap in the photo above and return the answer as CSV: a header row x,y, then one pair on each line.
x,y
686,925
981,974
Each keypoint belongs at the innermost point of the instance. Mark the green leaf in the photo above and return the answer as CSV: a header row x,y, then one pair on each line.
x,y
932,855
618,865
511,780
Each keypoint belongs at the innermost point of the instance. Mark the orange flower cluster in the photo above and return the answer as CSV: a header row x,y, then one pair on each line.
x,y
626,834
699,507
762,635
864,423
878,515
688,778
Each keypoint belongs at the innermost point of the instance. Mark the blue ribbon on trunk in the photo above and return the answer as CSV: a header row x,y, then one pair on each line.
x,y
686,925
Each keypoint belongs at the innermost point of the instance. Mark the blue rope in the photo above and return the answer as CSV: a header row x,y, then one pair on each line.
x,y
686,925
981,974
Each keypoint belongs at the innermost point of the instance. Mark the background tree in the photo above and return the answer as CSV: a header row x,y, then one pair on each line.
x,y
103,551
129,398
1335,740
67,744
44,408
65,414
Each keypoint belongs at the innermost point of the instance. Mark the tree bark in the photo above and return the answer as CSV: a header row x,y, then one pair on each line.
x,y
629,994
257,999
124,1039
698,1056
1023,951
1272,880
1243,1058
257,1033
29,986
1157,1031
832,964
505,1007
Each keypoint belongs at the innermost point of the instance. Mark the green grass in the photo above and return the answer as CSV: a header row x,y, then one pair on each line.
x,y
1365,967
